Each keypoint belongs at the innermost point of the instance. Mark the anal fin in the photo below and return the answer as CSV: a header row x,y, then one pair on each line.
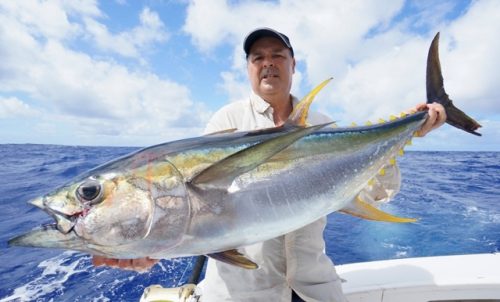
x,y
362,209
233,257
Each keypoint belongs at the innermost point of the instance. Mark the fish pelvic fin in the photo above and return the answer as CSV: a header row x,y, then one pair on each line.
x,y
300,112
221,174
233,257
436,92
362,209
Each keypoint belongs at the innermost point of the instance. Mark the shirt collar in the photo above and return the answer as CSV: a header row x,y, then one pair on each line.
x,y
262,106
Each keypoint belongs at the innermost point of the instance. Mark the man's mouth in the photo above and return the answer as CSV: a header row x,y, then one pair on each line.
x,y
269,73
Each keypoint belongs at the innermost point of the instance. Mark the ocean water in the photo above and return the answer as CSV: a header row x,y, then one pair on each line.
x,y
455,195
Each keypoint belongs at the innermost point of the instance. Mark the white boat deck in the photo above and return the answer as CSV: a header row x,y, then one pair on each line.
x,y
464,278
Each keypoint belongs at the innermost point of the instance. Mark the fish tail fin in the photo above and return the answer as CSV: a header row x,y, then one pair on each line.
x,y
436,92
299,114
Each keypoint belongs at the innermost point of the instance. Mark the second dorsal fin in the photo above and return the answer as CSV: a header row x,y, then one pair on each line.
x,y
299,114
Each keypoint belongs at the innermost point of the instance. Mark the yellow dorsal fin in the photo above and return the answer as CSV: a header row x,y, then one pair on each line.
x,y
362,209
301,110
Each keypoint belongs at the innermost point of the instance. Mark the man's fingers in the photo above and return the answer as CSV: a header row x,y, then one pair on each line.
x,y
436,118
140,264
97,260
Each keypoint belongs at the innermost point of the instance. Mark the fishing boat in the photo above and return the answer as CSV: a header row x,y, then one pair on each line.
x,y
459,278
463,278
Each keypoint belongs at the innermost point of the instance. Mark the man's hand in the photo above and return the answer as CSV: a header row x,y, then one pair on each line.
x,y
139,265
436,118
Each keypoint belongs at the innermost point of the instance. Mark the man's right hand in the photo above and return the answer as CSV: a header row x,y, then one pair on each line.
x,y
140,265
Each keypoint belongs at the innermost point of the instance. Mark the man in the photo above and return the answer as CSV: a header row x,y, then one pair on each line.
x,y
295,262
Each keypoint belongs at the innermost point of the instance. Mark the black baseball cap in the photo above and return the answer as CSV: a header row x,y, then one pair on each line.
x,y
265,32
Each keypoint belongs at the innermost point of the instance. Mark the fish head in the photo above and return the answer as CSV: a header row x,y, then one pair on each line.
x,y
112,212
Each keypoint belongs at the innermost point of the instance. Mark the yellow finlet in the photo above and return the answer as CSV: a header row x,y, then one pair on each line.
x,y
409,143
371,182
392,161
381,121
301,110
401,152
362,209
381,172
403,114
368,123
353,124
393,117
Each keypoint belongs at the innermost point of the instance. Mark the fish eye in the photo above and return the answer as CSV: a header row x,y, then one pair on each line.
x,y
89,191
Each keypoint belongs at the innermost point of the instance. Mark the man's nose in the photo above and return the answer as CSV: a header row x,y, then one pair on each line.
x,y
268,61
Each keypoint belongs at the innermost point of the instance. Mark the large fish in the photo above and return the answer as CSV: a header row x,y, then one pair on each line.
x,y
212,194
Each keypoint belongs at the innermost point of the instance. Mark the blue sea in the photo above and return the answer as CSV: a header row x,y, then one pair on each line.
x,y
455,195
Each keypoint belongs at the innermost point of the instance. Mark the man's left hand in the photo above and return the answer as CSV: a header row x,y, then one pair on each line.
x,y
436,117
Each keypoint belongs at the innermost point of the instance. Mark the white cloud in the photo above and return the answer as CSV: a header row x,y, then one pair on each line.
x,y
93,97
322,32
13,107
376,59
128,43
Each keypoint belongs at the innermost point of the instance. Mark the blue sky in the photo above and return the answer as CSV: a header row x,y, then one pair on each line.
x,y
137,73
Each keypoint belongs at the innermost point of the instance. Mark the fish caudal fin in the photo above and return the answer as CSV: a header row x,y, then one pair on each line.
x,y
362,209
436,92
235,258
299,114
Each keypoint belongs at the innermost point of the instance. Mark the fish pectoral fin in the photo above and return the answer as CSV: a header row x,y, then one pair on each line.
x,y
233,257
299,114
362,209
221,174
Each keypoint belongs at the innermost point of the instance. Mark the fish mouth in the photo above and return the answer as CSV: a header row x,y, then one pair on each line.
x,y
58,234
64,222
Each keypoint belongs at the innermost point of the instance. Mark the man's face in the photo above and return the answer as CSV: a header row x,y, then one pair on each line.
x,y
270,67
